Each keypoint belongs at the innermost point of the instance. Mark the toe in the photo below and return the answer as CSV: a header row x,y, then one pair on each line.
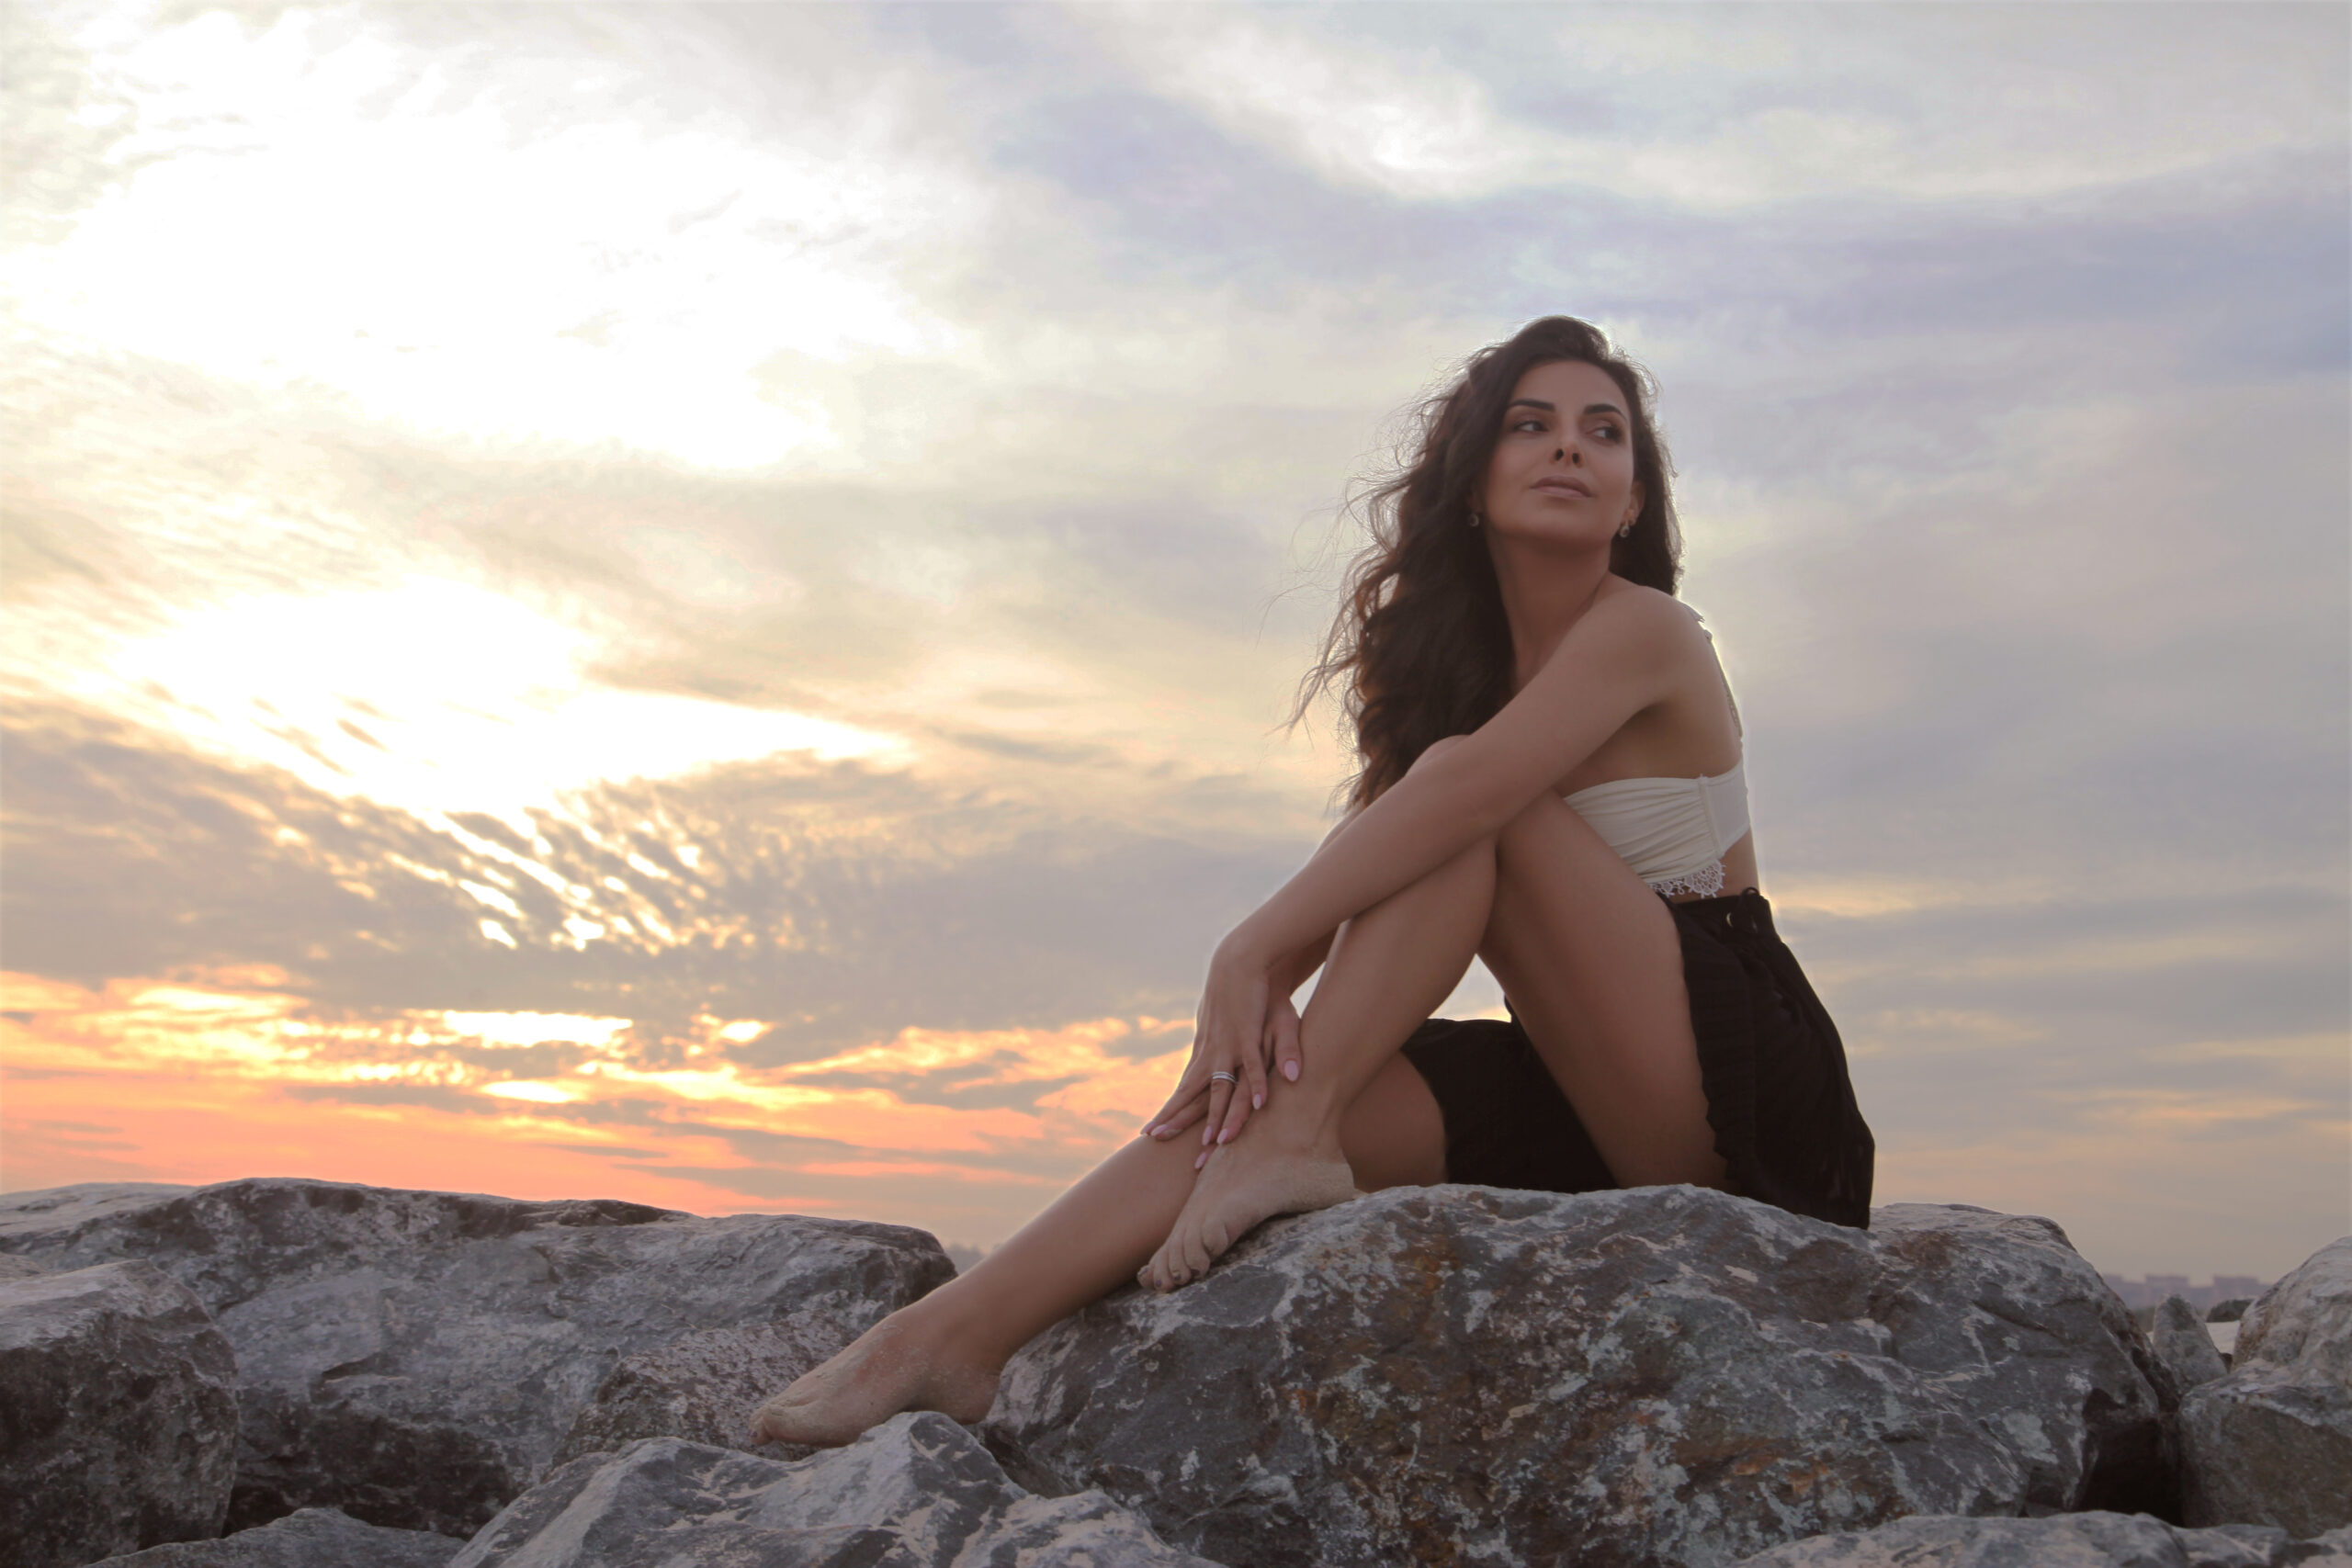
x,y
1197,1255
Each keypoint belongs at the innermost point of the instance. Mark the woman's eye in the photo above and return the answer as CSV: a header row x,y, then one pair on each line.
x,y
1612,432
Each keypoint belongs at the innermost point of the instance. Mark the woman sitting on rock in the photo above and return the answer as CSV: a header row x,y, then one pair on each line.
x,y
1552,781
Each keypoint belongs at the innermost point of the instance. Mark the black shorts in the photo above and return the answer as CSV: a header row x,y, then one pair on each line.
x,y
1774,1070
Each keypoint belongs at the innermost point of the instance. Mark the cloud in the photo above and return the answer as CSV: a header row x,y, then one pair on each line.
x,y
1730,109
837,902
1002,1116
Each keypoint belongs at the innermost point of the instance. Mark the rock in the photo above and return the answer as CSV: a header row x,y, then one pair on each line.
x,y
2305,1320
917,1492
2067,1541
19,1269
1663,1374
311,1537
703,1388
117,1414
2271,1443
2229,1311
414,1358
2185,1345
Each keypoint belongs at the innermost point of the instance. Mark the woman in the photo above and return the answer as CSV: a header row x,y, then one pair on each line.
x,y
1550,781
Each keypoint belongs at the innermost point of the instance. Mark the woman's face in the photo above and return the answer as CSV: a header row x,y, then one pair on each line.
x,y
1562,468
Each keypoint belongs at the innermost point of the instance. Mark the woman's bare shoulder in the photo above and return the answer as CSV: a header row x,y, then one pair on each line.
x,y
1627,611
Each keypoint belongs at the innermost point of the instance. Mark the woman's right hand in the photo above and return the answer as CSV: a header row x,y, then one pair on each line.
x,y
1280,1056
1228,1070
1203,1094
1278,1051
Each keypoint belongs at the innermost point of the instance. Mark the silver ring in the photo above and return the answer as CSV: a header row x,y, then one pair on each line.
x,y
1225,1077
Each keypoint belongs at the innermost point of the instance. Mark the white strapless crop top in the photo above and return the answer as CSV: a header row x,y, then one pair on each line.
x,y
1673,833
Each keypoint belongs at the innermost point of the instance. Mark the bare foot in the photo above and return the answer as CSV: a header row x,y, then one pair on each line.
x,y
890,1368
1246,1183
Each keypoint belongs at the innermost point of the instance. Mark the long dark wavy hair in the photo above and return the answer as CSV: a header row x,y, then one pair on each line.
x,y
1421,649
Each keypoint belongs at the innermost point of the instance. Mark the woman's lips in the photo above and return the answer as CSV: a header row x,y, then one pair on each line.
x,y
1565,487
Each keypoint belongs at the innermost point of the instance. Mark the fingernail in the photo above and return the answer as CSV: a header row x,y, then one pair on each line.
x,y
1256,1102
1225,1136
1202,1161
1289,1071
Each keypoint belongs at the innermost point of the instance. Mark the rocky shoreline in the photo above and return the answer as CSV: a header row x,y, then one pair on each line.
x,y
283,1371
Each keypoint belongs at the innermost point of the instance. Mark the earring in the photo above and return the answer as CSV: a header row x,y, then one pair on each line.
x,y
1475,520
1624,529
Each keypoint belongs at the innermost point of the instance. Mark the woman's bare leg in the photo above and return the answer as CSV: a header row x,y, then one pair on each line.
x,y
944,1352
1389,969
1393,1132
1592,963
1593,966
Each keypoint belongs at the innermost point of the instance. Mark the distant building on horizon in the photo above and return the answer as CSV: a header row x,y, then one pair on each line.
x,y
2147,1292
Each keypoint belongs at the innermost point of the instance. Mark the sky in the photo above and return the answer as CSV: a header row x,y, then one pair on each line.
x,y
698,603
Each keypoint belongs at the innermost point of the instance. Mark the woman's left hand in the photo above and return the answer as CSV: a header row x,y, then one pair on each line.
x,y
1226,1080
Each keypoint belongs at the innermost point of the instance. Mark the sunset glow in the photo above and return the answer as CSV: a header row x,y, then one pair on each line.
x,y
237,1059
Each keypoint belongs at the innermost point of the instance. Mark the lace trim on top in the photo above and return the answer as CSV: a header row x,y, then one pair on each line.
x,y
1706,882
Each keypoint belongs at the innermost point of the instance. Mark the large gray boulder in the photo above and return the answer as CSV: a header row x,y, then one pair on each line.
x,y
917,1492
2271,1443
703,1388
1663,1374
117,1415
2066,1541
309,1538
2181,1341
414,1358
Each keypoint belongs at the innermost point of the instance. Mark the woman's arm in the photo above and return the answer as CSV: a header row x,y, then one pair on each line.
x,y
1291,972
1621,657
1290,975
1618,660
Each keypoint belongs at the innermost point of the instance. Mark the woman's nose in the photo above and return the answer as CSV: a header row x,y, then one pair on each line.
x,y
1563,452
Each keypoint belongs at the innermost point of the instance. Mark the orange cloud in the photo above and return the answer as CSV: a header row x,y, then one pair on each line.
x,y
203,1076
